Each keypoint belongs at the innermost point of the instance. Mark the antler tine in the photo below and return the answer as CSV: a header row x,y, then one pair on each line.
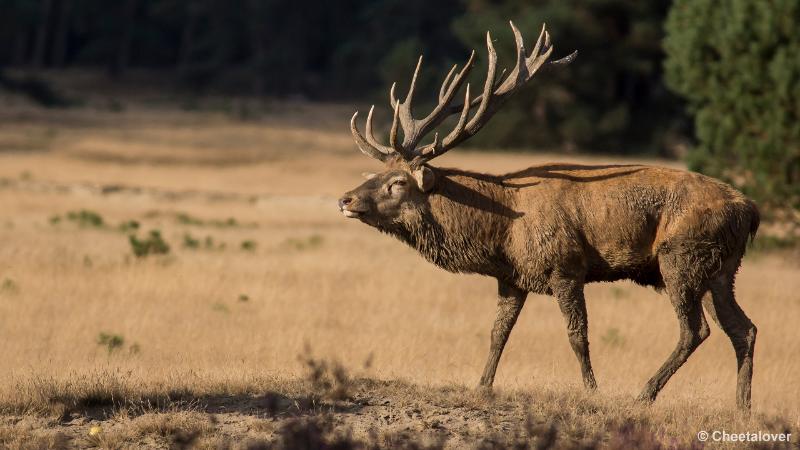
x,y
537,47
446,81
364,145
392,99
410,95
462,121
371,137
393,132
537,63
520,73
565,60
475,123
407,122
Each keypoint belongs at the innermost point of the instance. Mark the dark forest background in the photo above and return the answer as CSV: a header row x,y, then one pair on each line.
x,y
623,95
613,99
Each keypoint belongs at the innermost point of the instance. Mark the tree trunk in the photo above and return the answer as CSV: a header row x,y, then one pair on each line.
x,y
120,63
62,34
187,41
258,51
21,47
40,46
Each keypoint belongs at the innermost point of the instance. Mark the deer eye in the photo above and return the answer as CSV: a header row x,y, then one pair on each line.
x,y
397,183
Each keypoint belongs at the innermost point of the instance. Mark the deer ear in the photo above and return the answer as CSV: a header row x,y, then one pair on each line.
x,y
425,178
368,175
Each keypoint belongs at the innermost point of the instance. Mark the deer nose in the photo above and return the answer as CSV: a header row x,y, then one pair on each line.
x,y
344,201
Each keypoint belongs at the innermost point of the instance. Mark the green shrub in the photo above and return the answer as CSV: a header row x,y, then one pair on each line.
x,y
186,219
128,226
111,342
84,218
737,63
210,244
154,244
190,241
9,286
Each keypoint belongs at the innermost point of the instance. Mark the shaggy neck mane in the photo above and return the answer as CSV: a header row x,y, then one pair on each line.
x,y
463,225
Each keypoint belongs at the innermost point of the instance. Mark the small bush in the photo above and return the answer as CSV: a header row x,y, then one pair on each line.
x,y
129,226
189,241
154,244
85,218
111,342
186,219
9,286
249,245
329,379
209,244
195,243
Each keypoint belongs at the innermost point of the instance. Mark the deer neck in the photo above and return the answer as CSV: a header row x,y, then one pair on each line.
x,y
463,226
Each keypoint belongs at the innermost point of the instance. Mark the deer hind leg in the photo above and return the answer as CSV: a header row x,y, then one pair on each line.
x,y
509,304
693,331
572,303
721,304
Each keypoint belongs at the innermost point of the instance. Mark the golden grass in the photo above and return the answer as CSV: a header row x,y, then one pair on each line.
x,y
207,322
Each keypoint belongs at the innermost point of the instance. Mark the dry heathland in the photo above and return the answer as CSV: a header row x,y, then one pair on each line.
x,y
246,312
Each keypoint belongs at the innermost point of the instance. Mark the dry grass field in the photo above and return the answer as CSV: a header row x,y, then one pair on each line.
x,y
274,320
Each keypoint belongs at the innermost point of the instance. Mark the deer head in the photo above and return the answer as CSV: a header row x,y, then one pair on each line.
x,y
409,178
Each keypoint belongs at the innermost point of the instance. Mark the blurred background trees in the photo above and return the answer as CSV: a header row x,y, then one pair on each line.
x,y
735,64
738,64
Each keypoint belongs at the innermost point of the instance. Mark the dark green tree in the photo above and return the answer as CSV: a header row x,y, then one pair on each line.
x,y
737,62
611,99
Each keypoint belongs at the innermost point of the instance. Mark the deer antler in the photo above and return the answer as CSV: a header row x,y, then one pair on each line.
x,y
494,94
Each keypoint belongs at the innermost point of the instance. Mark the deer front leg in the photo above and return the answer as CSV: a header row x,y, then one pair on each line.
x,y
569,294
509,304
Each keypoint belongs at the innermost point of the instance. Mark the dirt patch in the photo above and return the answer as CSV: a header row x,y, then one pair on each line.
x,y
372,414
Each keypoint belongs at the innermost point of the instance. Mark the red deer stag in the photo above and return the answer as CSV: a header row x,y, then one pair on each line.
x,y
551,229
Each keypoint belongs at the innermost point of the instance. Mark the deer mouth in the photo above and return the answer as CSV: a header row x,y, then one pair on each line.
x,y
353,214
